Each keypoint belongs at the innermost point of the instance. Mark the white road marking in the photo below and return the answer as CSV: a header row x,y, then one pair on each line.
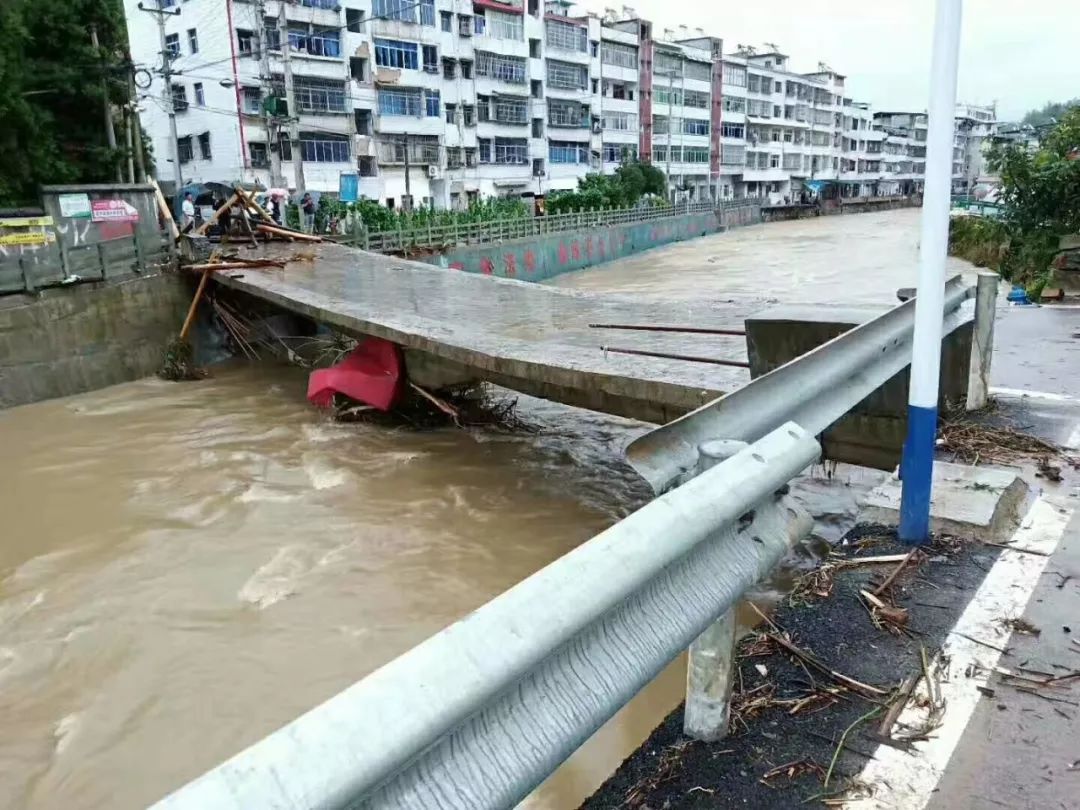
x,y
1022,392
907,780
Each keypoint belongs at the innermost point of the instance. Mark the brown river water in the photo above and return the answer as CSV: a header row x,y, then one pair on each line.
x,y
186,567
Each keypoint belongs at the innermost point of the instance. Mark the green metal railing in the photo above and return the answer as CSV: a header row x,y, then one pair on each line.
x,y
418,239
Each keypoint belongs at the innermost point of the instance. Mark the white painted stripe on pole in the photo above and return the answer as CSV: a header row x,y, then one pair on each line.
x,y
934,237
1023,392
906,780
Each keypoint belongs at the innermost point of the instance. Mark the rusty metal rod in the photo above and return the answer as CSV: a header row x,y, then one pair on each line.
x,y
689,358
690,330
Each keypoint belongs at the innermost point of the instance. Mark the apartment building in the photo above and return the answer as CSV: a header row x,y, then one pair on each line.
x,y
439,102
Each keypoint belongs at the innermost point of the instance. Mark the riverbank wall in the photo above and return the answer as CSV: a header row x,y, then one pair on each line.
x,y
541,257
68,340
862,205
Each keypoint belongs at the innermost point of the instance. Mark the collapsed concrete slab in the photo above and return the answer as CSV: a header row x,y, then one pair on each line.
x,y
976,503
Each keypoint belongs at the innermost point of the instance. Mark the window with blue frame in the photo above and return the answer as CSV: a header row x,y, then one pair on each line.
x,y
330,4
695,126
393,53
404,11
432,103
399,102
568,152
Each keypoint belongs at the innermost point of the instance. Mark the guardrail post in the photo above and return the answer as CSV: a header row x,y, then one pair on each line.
x,y
982,341
711,659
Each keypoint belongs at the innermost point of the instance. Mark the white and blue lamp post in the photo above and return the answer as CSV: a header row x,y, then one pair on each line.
x,y
916,468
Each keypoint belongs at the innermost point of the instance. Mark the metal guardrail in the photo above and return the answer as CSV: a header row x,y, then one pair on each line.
x,y
441,237
814,391
479,714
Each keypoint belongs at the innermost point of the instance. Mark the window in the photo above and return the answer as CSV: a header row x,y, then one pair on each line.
x,y
761,109
567,36
496,66
465,25
193,40
667,63
362,118
466,68
567,114
172,45
354,20
432,104
393,53
402,10
358,69
774,161
538,127
733,130
399,102
179,97
480,23
258,154
789,136
734,75
319,95
660,124
505,26
204,146
366,166
617,152
567,152
534,48
622,121
694,99
668,95
245,41
468,115
505,151
734,104
511,110
184,150
455,157
536,88
702,71
317,42
449,68
328,4
322,148
565,76
695,126
777,87
251,100
200,96
792,162
733,155
446,21
427,12
615,53
431,59
451,113
696,154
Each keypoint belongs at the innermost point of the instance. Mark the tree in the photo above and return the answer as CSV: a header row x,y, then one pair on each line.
x,y
52,103
1040,191
1049,113
632,181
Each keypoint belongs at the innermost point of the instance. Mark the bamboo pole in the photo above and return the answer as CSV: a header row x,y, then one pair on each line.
x,y
202,228
190,319
163,207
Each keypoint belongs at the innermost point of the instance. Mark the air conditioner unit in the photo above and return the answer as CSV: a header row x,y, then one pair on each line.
x,y
432,172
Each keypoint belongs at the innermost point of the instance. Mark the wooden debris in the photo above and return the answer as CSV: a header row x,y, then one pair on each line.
x,y
221,210
190,319
792,770
1016,549
442,405
892,577
1044,469
899,701
812,661
163,207
1022,626
287,233
250,264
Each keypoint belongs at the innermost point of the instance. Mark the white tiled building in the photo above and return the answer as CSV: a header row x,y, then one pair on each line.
x,y
451,100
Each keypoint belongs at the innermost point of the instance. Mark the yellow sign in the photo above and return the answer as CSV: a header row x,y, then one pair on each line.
x,y
38,238
26,222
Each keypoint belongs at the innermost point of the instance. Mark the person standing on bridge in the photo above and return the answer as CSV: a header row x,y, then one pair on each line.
x,y
307,206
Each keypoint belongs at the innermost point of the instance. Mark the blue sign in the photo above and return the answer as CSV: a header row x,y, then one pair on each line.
x,y
349,187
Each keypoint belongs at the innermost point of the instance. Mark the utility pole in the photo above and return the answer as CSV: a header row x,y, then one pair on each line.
x,y
290,99
133,111
128,141
110,131
170,103
407,203
273,139
917,463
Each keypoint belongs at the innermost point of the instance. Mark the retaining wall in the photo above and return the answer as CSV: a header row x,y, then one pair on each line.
x,y
70,340
543,257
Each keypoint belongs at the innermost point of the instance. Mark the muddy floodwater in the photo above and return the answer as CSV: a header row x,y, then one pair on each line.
x,y
186,567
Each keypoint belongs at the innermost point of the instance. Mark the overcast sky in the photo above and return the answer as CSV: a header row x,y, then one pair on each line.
x,y
1021,53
